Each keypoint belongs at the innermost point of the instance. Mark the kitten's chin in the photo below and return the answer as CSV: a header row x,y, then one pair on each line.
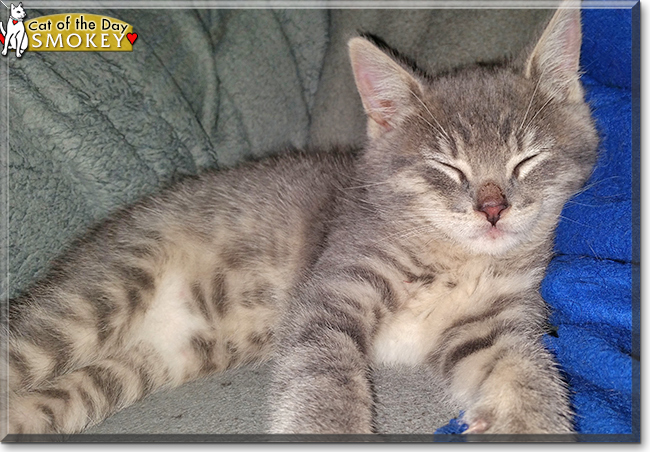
x,y
492,241
495,234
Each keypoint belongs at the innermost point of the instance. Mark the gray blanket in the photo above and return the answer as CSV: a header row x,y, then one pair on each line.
x,y
90,132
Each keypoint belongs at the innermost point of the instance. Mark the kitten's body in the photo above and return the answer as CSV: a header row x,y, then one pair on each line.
x,y
427,247
195,279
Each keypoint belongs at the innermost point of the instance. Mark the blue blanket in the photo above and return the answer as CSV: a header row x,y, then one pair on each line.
x,y
592,283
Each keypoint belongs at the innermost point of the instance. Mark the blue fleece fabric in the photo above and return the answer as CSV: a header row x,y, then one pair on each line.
x,y
589,283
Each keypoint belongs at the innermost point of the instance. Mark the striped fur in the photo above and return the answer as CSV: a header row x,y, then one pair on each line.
x,y
428,246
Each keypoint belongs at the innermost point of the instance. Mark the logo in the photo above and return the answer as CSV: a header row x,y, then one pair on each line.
x,y
74,32
15,38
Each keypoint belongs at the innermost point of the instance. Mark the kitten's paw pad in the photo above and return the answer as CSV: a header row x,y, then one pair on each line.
x,y
478,426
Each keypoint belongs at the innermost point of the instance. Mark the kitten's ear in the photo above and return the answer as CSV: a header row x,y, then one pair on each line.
x,y
555,60
387,90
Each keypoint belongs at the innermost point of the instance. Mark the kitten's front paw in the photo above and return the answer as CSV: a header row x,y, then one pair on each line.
x,y
478,426
521,423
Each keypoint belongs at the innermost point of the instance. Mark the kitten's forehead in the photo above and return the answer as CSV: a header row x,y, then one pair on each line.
x,y
483,115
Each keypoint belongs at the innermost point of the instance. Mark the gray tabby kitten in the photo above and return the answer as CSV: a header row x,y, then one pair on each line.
x,y
427,247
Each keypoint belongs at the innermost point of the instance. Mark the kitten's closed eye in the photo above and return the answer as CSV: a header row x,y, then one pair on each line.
x,y
528,163
455,173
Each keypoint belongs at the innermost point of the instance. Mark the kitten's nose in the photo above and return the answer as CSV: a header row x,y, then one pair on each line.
x,y
493,213
491,201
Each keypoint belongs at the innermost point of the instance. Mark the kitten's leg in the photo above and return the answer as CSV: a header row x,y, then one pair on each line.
x,y
496,366
321,382
59,384
520,392
83,346
86,396
72,368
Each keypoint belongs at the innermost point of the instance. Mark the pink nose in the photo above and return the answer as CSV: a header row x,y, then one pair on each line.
x,y
491,201
493,213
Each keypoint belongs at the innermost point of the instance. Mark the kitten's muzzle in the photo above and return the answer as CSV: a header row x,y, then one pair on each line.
x,y
491,201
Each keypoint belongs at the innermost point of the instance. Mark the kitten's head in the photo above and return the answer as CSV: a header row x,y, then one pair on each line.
x,y
485,156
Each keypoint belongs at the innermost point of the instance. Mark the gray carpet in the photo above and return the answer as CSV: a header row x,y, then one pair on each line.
x,y
237,402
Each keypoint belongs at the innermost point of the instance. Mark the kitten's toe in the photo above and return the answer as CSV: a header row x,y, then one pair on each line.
x,y
477,426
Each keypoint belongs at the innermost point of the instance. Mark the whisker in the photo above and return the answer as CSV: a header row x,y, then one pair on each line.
x,y
404,233
530,103
539,111
582,204
587,187
440,128
374,184
575,221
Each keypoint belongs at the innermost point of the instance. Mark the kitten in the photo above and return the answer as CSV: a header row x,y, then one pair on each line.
x,y
426,247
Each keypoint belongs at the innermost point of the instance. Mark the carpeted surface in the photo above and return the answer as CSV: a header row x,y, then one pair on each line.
x,y
236,402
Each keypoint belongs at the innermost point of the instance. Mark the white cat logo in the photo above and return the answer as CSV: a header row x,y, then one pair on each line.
x,y
15,37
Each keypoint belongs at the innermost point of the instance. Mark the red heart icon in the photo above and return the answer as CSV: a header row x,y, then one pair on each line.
x,y
131,37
